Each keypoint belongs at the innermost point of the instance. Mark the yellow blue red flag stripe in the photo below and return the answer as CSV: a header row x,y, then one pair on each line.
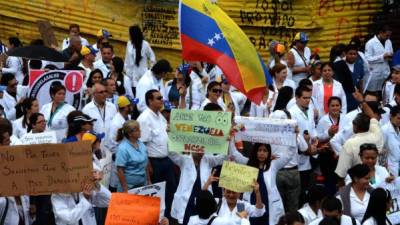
x,y
208,34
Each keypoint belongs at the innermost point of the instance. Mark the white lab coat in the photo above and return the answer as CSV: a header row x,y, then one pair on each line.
x,y
12,217
318,93
196,92
18,129
381,174
225,212
275,205
146,83
379,67
388,92
324,123
392,145
239,98
304,123
188,177
133,71
99,64
8,102
14,66
59,123
101,125
68,212
308,214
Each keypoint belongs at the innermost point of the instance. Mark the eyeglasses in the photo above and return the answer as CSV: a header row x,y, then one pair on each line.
x,y
217,91
368,146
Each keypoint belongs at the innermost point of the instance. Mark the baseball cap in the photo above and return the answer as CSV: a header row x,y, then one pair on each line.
x,y
103,33
184,69
167,106
376,107
302,37
84,118
123,101
88,50
92,136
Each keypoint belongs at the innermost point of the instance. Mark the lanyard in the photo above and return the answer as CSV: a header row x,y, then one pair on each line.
x,y
52,114
338,120
102,112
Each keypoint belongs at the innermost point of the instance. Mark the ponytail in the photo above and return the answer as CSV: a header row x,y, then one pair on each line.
x,y
120,135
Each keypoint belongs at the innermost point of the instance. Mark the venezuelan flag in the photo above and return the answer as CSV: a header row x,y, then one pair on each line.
x,y
208,34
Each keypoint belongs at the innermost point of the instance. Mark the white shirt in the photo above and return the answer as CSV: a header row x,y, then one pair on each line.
x,y
372,221
65,43
154,133
146,83
261,110
133,71
18,129
103,116
392,144
309,214
344,220
68,212
87,72
239,97
299,62
196,92
14,66
380,177
12,217
8,102
116,124
232,215
324,123
304,123
59,122
358,206
319,95
99,64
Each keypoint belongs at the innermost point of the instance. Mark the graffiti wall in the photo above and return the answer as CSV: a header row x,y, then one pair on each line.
x,y
327,22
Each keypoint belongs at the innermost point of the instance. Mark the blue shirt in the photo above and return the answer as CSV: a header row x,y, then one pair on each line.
x,y
134,162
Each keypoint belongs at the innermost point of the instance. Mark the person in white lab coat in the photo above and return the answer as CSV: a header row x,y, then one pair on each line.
x,y
214,93
57,110
10,95
28,107
139,57
107,53
390,83
379,204
392,141
123,83
100,109
74,30
326,87
378,52
153,79
77,208
14,65
264,108
124,110
196,90
279,73
311,210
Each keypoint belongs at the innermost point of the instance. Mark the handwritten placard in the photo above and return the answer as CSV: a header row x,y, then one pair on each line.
x,y
154,190
128,209
265,130
39,138
199,131
394,211
44,168
237,177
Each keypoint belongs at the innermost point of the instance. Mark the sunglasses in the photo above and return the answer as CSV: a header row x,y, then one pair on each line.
x,y
217,91
368,146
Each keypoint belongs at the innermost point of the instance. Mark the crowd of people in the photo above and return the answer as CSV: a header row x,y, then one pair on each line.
x,y
346,108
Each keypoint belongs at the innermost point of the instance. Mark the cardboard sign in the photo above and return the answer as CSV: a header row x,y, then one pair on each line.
x,y
128,209
394,188
267,131
40,82
237,177
154,190
199,131
45,168
39,138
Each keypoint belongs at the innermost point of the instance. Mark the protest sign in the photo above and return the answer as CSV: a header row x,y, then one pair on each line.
x,y
394,212
199,131
39,138
44,168
237,177
106,166
265,130
128,209
40,82
154,190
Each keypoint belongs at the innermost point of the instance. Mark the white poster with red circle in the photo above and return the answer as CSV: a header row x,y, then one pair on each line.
x,y
40,82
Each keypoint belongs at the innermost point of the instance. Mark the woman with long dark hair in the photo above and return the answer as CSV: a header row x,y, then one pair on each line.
x,y
380,202
123,83
138,54
28,107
